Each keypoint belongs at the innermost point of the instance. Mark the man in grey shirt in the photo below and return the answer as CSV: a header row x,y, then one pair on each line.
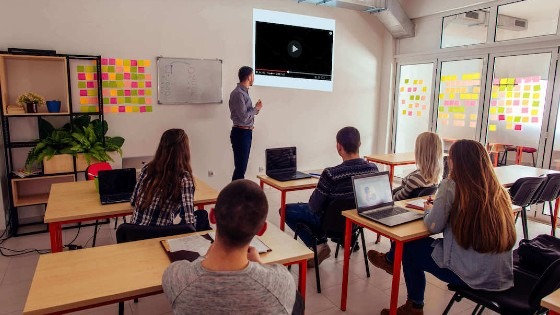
x,y
243,116
231,278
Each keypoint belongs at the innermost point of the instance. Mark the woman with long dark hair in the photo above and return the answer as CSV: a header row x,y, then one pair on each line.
x,y
474,213
166,184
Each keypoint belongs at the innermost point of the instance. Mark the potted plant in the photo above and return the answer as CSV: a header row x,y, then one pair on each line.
x,y
31,101
55,147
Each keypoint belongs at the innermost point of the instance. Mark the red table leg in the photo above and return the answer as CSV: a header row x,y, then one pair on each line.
x,y
553,313
391,174
262,184
396,277
346,266
282,209
519,155
302,277
55,229
200,207
555,217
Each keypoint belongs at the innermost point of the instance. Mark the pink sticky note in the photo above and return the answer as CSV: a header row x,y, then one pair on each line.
x,y
126,92
148,77
446,102
501,117
403,101
90,84
119,69
106,92
534,119
141,92
409,113
140,69
409,89
81,76
134,63
122,109
135,84
105,76
515,102
127,76
95,76
148,100
496,81
111,61
525,110
149,84
83,93
423,107
493,103
106,109
104,61
142,109
423,97
127,84
416,105
113,100
517,127
414,89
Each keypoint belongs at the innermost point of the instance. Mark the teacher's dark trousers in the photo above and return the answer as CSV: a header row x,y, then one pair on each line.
x,y
241,144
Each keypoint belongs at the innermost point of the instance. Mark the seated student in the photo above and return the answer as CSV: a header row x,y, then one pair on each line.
x,y
231,278
165,187
474,213
335,184
428,153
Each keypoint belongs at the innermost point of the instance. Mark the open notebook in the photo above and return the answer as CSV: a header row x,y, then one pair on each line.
x,y
417,204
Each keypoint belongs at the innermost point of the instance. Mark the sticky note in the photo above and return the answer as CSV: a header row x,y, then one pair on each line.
x,y
526,95
148,100
503,81
119,77
459,116
134,92
141,93
536,96
515,102
133,76
536,87
83,92
142,76
120,84
142,83
509,87
441,95
135,109
133,62
148,84
459,123
91,92
141,69
516,95
525,102
127,84
83,100
147,64
118,62
128,109
142,100
525,110
527,88
111,69
452,96
127,92
492,127
424,89
106,100
509,126
135,85
119,69
120,92
81,76
509,94
113,93
501,117
525,119
502,88
534,119
90,84
113,84
493,117
148,92
423,107
112,76
441,108
81,85
133,69
120,100
509,102
134,100
113,100
402,89
517,127
417,97
473,116
494,110
127,100
534,112
517,119
509,118
509,110
536,103
148,76
404,112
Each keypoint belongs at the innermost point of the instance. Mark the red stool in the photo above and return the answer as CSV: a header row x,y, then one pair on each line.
x,y
521,150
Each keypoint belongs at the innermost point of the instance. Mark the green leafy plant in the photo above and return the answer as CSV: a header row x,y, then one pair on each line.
x,y
88,138
31,98
58,141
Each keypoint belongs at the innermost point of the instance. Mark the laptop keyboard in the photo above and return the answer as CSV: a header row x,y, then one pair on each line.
x,y
380,214
116,198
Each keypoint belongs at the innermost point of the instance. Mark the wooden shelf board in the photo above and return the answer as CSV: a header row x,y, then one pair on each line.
x,y
31,200
29,57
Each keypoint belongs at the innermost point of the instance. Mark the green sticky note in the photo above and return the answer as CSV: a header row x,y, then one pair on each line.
x,y
140,63
510,87
105,100
133,69
141,85
90,69
148,108
135,100
441,109
126,62
141,100
511,81
111,69
104,68
120,92
113,84
81,85
412,97
120,77
526,95
81,69
105,84
134,92
417,97
517,119
536,87
141,76
91,92
127,100
501,110
92,109
536,103
120,100
502,88
133,76
120,84
135,109
406,80
149,92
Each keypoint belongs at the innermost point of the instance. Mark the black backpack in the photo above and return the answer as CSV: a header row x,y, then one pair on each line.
x,y
537,254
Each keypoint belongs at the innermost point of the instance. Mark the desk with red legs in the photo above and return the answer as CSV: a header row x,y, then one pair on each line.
x,y
552,303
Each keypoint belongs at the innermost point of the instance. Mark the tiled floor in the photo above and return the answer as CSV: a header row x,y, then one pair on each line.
x,y
365,295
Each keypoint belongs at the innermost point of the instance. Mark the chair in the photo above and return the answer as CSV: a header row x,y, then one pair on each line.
x,y
445,167
521,150
131,232
91,173
507,148
523,193
517,300
334,225
550,192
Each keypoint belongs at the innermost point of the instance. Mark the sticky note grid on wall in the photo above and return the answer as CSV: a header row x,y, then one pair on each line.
x,y
126,86
458,100
413,98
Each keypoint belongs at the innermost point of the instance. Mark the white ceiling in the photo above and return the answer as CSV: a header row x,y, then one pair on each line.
x,y
419,8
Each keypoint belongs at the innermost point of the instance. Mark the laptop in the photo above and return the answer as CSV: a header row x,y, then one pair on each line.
x,y
281,164
374,200
116,185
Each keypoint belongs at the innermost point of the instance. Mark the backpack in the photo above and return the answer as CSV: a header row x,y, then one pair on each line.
x,y
537,254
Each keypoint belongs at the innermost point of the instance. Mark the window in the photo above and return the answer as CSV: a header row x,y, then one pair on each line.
x,y
465,29
527,18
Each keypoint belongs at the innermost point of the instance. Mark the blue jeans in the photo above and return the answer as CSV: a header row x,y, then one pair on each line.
x,y
301,213
417,259
241,145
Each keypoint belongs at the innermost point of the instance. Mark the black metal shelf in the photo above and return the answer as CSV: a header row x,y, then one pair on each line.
x,y
22,144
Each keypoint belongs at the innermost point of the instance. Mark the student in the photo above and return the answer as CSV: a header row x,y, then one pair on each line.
x,y
335,183
428,153
165,187
474,213
231,278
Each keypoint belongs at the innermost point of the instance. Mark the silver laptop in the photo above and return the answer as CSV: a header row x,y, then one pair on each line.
x,y
374,200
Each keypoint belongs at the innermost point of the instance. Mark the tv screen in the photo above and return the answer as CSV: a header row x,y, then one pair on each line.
x,y
293,51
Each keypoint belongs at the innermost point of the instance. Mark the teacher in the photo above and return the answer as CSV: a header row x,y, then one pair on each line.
x,y
243,117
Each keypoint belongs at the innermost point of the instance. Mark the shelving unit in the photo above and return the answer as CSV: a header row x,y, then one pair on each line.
x,y
48,75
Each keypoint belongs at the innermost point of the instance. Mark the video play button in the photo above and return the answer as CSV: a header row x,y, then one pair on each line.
x,y
294,49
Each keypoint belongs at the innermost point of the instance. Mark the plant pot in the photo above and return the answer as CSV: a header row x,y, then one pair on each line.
x,y
60,163
31,107
53,106
81,162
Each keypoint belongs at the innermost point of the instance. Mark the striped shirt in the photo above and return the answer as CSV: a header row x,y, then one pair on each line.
x,y
409,183
336,183
163,213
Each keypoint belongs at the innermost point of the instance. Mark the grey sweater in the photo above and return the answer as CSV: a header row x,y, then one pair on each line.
x,y
257,289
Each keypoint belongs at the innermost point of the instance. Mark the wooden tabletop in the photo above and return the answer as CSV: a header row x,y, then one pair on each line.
x,y
552,301
80,200
297,184
393,158
507,175
76,279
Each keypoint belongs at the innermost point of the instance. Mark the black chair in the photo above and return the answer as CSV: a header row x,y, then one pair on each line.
x,y
522,299
550,192
507,148
523,193
445,167
127,232
334,225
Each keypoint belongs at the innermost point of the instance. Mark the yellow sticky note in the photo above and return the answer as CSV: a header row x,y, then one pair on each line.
x,y
424,89
511,81
509,94
404,112
492,127
473,116
402,89
465,96
415,81
534,112
509,102
503,81
409,105
525,119
536,96
493,110
527,88
451,96
419,113
113,92
440,96
509,118
494,94
525,102
148,92
509,125
114,109
128,109
474,96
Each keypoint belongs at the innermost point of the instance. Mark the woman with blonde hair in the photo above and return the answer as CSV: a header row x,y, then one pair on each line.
x,y
474,213
428,153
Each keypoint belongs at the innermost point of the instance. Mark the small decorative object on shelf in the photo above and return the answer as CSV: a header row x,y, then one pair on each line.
x,y
31,101
22,173
53,106
15,109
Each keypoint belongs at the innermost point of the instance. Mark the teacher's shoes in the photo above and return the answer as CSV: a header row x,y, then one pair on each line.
x,y
323,252
407,309
379,260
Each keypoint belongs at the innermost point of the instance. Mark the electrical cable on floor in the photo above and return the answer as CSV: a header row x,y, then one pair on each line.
x,y
98,229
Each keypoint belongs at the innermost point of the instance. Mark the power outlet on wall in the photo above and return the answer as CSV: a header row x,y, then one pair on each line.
x,y
210,173
261,169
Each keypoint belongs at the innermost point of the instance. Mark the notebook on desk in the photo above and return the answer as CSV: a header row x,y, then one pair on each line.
x,y
374,200
116,185
281,164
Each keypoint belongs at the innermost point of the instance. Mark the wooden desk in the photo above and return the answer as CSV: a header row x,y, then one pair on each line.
x,y
91,277
552,302
79,201
507,175
400,234
284,187
392,160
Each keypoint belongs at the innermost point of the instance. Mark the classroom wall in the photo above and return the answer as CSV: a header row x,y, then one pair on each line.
x,y
144,29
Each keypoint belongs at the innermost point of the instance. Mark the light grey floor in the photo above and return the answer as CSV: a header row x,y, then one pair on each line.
x,y
365,295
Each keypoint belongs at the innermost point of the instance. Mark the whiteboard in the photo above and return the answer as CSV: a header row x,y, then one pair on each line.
x,y
189,81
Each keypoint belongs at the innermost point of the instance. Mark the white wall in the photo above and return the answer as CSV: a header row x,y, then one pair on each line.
x,y
144,29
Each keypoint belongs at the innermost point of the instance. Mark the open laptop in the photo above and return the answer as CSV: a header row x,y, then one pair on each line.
x,y
281,164
374,200
116,185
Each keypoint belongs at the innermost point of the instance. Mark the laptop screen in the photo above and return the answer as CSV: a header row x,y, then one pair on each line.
x,y
372,190
117,181
281,159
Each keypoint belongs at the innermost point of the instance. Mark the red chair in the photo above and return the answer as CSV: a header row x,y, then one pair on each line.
x,y
521,150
